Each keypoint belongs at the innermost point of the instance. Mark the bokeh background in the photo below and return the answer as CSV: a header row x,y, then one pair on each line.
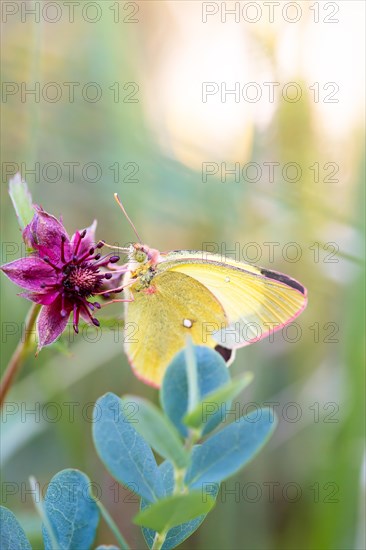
x,y
147,136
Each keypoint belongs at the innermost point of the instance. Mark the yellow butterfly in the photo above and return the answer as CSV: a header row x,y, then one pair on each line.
x,y
219,302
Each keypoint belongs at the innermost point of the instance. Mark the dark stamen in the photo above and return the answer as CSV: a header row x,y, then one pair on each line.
x,y
63,239
77,244
48,261
105,257
76,319
93,319
63,311
79,236
85,256
108,276
114,259
100,244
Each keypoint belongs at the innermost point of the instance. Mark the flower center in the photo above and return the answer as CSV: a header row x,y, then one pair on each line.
x,y
82,281
80,278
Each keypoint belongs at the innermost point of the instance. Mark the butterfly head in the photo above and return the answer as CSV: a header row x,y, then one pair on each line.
x,y
142,254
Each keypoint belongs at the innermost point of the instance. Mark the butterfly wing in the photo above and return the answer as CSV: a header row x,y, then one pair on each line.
x,y
256,301
162,315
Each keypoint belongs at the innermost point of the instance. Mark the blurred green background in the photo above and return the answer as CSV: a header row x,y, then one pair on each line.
x,y
306,489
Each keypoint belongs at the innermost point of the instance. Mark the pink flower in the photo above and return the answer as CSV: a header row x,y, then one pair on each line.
x,y
62,274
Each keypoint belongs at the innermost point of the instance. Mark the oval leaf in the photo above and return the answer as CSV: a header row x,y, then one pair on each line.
x,y
215,401
230,449
173,510
12,536
71,511
158,431
212,373
123,451
181,532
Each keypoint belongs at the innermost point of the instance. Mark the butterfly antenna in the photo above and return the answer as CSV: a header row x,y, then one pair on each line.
x,y
118,201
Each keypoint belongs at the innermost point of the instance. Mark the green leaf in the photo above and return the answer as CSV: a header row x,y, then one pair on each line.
x,y
174,510
180,532
71,510
227,451
158,431
214,401
212,373
192,375
12,536
22,200
126,454
47,528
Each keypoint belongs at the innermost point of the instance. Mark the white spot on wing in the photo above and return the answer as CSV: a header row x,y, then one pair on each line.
x,y
187,323
227,279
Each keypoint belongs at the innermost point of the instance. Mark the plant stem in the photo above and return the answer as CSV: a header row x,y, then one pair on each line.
x,y
20,353
179,473
193,437
112,525
179,481
158,541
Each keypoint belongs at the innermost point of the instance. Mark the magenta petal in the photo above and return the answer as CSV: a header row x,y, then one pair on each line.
x,y
45,298
87,242
29,273
44,233
50,322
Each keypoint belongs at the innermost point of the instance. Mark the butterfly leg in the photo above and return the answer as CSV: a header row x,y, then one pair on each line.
x,y
113,247
127,300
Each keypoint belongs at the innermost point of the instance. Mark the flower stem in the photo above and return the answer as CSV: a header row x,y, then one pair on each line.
x,y
19,354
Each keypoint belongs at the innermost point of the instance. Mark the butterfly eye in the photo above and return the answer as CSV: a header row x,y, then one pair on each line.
x,y
140,256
